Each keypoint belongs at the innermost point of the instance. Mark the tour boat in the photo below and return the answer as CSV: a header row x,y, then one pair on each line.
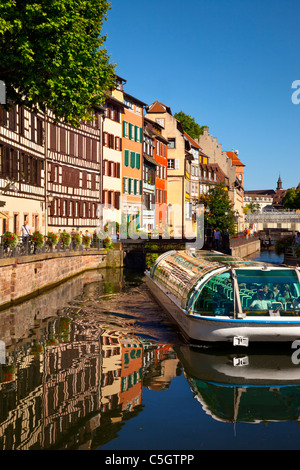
x,y
215,298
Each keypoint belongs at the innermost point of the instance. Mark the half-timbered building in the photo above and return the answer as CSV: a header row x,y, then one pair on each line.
x,y
73,161
22,165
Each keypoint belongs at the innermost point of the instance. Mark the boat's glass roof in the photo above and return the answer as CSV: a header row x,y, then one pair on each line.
x,y
180,271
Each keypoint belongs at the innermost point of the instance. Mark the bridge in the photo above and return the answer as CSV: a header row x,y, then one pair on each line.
x,y
137,251
285,220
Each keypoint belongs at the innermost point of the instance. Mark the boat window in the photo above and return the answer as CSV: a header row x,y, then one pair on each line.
x,y
269,292
216,297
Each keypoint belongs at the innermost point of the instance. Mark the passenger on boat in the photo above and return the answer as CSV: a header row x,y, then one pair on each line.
x,y
219,294
296,303
267,292
260,303
276,292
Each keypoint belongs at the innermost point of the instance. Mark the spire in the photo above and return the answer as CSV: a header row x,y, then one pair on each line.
x,y
279,183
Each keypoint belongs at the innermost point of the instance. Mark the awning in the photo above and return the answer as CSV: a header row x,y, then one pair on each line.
x,y
4,216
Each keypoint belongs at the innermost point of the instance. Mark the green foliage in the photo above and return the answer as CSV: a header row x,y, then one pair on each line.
x,y
52,56
219,204
292,199
189,124
251,207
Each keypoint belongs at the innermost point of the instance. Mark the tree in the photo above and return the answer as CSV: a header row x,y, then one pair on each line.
x,y
52,56
251,208
189,124
221,214
291,199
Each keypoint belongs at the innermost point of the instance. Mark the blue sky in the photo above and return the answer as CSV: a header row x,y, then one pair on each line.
x,y
228,64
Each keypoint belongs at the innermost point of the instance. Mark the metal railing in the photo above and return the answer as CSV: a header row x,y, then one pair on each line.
x,y
26,247
242,239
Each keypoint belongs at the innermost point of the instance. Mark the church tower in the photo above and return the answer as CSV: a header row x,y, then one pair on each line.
x,y
279,184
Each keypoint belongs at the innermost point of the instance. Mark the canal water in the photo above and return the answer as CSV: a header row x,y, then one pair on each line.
x,y
96,364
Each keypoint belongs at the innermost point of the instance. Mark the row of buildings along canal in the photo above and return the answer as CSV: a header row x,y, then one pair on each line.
x,y
133,159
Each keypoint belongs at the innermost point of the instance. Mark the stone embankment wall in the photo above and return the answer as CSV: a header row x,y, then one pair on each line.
x,y
30,275
242,251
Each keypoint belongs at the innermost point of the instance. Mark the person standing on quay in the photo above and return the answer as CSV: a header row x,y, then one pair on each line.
x,y
217,237
25,231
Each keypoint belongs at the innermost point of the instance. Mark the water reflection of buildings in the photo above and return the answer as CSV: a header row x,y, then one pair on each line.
x,y
74,385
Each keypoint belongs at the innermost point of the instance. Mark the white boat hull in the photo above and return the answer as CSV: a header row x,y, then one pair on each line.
x,y
199,328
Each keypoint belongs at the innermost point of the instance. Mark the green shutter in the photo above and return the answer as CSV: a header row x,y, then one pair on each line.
x,y
141,134
130,130
124,185
124,123
135,186
138,161
126,157
132,159
129,185
136,138
141,188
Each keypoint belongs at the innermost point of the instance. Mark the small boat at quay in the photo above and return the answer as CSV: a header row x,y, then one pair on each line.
x,y
215,298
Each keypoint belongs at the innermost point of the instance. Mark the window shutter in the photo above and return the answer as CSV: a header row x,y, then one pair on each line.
x,y
129,185
52,137
72,143
124,185
126,160
141,134
132,159
138,161
124,128
141,187
136,136
93,184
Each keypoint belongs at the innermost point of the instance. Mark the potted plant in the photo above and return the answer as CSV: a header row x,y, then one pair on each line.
x,y
76,239
10,239
86,240
38,239
108,243
52,238
65,238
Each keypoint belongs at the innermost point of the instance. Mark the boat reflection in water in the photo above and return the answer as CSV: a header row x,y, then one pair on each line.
x,y
252,388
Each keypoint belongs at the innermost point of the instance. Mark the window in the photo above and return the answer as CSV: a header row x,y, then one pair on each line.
x,y
173,163
216,297
125,129
160,121
171,143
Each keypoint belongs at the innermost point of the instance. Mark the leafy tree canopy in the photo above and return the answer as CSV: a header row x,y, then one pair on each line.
x,y
251,208
292,199
52,55
221,214
189,124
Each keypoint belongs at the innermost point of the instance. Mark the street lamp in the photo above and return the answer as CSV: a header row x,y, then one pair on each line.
x,y
237,220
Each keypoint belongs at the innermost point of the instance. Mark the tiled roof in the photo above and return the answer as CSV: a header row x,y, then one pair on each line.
x,y
235,159
191,140
158,107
